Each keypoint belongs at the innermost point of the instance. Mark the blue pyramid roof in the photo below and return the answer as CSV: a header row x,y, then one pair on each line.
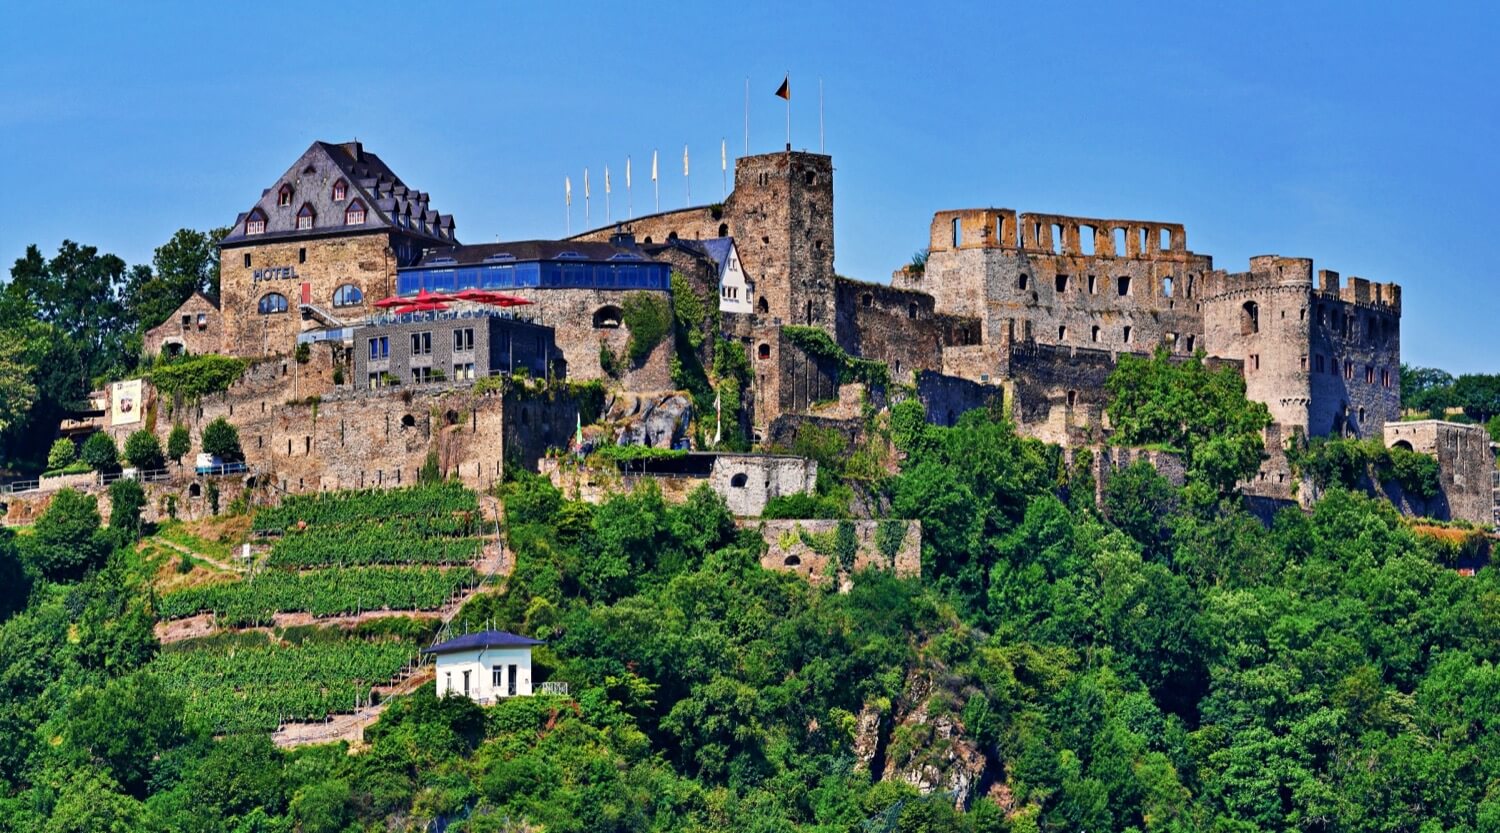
x,y
483,639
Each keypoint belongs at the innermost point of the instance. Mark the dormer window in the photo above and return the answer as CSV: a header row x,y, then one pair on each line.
x,y
284,196
355,214
305,217
255,223
340,191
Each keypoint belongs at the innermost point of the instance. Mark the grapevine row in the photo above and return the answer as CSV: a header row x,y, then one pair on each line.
x,y
320,592
377,544
434,500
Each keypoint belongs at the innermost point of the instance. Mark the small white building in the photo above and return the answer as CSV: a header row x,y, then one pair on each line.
x,y
484,666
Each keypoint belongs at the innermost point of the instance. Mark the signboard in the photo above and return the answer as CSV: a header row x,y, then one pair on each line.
x,y
125,402
274,273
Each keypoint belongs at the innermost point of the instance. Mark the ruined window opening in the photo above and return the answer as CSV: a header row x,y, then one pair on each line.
x,y
1191,340
1145,242
1302,364
648,240
957,233
1369,375
1119,237
792,561
1022,281
451,417
307,445
1249,318
723,229
867,300
1086,240
1072,398
809,313
195,490
818,245
1057,239
1166,287
763,351
1094,333
1255,361
1122,285
811,178
1166,240
1061,283
739,480
608,317
1361,417
1093,285
911,311
1062,333
1302,314
1128,333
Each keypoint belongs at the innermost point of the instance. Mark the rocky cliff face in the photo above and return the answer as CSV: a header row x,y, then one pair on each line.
x,y
921,740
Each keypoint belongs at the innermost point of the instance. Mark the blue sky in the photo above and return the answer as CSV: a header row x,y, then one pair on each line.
x,y
1361,135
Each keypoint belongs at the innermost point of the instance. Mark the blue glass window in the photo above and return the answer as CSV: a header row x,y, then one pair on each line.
x,y
348,295
271,303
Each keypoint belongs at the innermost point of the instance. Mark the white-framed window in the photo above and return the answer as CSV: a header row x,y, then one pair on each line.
x,y
305,217
255,223
284,196
340,190
354,215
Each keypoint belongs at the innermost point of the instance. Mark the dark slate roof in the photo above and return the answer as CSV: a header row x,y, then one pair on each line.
x,y
369,180
715,249
526,250
483,639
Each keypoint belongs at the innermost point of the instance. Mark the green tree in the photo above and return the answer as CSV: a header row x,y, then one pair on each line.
x,y
66,540
100,453
15,585
18,391
431,471
648,317
143,451
187,263
62,454
222,440
1189,408
1426,388
179,443
125,727
126,500
78,293
1479,395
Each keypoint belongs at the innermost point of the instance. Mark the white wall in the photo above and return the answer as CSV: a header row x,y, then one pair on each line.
x,y
734,290
481,664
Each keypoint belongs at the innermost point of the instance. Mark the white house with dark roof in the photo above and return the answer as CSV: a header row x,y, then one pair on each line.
x,y
485,667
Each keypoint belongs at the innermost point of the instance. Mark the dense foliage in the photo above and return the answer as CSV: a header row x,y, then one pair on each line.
x,y
816,342
648,317
193,377
319,592
143,450
1358,464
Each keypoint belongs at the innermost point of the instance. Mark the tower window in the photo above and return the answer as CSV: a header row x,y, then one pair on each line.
x,y
1249,318
958,234
1094,333
1128,333
340,190
763,351
255,223
1061,282
354,215
1122,285
247,260
305,217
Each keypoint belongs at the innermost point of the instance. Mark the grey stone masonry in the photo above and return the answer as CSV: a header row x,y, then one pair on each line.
x,y
433,347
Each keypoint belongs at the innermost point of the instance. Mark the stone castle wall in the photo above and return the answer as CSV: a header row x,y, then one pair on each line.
x,y
745,481
583,319
788,549
189,336
898,327
1466,469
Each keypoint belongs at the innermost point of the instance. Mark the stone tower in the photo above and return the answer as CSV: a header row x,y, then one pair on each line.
x,y
781,217
1325,358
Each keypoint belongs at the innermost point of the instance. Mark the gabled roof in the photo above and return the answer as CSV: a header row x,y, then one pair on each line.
x,y
716,249
369,179
483,639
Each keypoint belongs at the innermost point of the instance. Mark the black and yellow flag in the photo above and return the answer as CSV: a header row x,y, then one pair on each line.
x,y
785,90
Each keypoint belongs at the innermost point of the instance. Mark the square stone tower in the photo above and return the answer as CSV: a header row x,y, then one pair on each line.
x,y
781,217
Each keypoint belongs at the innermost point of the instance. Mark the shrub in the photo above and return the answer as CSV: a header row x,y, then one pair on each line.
x,y
143,451
648,316
303,353
126,500
222,440
195,376
100,453
179,443
62,453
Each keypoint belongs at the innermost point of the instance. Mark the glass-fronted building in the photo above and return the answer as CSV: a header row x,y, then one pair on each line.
x,y
535,264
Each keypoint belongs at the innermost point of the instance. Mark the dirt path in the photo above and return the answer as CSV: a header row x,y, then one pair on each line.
x,y
230,568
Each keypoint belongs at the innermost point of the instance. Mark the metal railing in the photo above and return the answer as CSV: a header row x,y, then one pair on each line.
x,y
106,478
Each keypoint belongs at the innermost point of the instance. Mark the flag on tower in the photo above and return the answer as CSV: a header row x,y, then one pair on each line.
x,y
568,190
627,172
684,160
785,90
653,166
606,180
585,183
723,154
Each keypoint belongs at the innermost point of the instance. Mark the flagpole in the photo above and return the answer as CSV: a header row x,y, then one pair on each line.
x,y
568,204
789,111
686,177
655,184
586,221
606,195
747,115
820,116
629,196
723,168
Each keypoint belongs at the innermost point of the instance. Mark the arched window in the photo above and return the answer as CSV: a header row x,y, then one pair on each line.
x,y
911,311
348,295
867,300
255,223
284,196
1249,318
762,307
354,215
739,481
1022,281
607,317
791,560
305,216
340,190
763,351
723,229
272,303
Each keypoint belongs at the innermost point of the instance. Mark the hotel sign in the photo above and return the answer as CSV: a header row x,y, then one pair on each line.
x,y
274,273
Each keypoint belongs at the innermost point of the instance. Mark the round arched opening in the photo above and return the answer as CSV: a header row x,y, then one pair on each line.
x,y
723,229
792,561
762,307
195,490
739,480
408,421
608,317
451,417
763,351
1402,444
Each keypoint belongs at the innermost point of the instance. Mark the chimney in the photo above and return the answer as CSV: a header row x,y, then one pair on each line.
x,y
355,150
622,239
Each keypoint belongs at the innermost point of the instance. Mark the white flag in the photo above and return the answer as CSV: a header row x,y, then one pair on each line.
x,y
653,166
606,179
723,154
585,183
568,189
684,161
627,172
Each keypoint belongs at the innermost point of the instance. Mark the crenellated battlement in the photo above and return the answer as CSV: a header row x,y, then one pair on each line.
x,y
1057,234
1269,272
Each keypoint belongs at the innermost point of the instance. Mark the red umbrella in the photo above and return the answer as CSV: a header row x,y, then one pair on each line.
x,y
421,306
422,296
485,296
